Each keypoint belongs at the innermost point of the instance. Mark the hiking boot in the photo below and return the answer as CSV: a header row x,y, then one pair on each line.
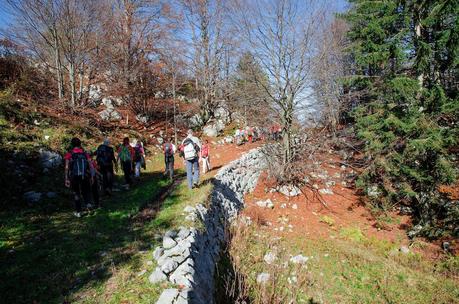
x,y
77,214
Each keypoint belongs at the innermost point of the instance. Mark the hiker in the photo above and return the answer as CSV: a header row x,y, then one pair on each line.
x,y
78,174
139,158
169,151
125,158
249,132
96,181
190,149
205,159
105,157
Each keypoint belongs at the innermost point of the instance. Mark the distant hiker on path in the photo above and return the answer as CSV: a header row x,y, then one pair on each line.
x,y
190,149
139,158
96,182
125,157
205,157
105,157
78,176
169,151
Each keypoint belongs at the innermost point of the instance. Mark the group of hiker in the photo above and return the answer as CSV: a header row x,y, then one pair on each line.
x,y
86,173
252,134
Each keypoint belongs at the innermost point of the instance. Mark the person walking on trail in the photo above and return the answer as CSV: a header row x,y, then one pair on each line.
x,y
78,168
205,157
191,147
139,158
97,179
105,157
125,158
169,151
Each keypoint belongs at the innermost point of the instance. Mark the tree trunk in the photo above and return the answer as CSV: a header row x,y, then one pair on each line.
x,y
57,61
175,117
72,84
81,79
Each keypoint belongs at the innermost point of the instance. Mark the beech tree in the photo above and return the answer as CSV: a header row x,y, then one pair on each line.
x,y
281,35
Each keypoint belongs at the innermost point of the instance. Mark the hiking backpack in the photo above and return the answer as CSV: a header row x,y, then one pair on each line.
x,y
168,150
79,165
190,149
125,154
137,154
104,155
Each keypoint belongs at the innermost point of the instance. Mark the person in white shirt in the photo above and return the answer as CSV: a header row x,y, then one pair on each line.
x,y
190,148
169,151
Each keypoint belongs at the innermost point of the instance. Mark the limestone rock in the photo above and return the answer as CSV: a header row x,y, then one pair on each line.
x,y
263,278
158,252
32,197
168,296
326,191
49,159
299,259
168,242
290,190
110,114
269,258
157,276
265,204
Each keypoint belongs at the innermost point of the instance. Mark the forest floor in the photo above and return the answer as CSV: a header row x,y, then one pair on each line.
x,y
349,253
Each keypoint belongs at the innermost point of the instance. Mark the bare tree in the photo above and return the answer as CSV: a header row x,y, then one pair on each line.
x,y
36,28
76,27
280,34
205,20
329,70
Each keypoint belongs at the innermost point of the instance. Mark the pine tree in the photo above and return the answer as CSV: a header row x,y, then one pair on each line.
x,y
405,56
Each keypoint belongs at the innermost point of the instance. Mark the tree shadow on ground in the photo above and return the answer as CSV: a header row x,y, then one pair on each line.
x,y
47,257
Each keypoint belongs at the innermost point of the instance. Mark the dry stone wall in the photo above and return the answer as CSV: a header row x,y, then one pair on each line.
x,y
189,256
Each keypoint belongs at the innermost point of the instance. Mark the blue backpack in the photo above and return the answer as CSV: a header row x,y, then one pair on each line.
x,y
79,165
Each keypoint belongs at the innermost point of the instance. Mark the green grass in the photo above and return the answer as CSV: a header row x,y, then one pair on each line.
x,y
48,255
351,268
129,281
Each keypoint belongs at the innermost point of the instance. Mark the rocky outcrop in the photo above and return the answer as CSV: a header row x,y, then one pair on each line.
x,y
189,256
49,159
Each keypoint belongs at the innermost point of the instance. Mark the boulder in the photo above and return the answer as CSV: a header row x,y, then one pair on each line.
x,y
110,114
94,94
210,130
107,102
32,197
222,114
142,118
49,159
195,121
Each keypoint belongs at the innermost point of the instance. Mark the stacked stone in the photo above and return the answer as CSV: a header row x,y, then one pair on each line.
x,y
188,257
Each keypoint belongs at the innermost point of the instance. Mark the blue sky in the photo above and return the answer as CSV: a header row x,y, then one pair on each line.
x,y
5,17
